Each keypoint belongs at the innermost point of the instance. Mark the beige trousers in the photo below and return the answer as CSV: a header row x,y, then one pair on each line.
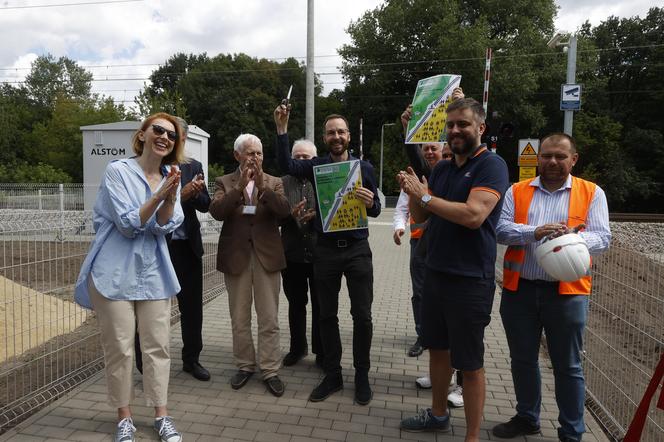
x,y
256,284
117,320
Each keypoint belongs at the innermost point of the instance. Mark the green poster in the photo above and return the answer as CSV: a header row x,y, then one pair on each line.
x,y
339,207
432,96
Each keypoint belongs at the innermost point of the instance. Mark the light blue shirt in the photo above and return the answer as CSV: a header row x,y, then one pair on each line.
x,y
127,260
551,207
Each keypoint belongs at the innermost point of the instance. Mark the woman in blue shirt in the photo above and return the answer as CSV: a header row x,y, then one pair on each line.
x,y
127,276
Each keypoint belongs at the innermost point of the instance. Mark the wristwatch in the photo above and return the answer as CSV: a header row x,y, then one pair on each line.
x,y
424,200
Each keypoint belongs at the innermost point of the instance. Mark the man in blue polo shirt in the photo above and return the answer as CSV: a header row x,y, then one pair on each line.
x,y
338,254
463,209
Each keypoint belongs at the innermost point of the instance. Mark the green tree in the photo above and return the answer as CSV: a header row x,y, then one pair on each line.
x,y
630,62
17,117
232,94
22,172
399,43
50,79
58,141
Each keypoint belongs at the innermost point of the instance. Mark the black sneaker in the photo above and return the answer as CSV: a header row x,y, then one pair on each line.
x,y
416,349
363,393
330,384
240,378
275,386
292,358
517,426
197,371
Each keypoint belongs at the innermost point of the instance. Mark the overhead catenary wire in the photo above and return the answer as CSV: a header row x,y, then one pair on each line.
x,y
56,5
441,60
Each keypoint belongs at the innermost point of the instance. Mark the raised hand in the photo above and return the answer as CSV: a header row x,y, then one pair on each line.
x,y
281,115
168,190
192,188
406,116
457,94
412,185
258,176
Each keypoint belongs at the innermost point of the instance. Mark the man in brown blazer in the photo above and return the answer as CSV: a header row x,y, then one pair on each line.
x,y
250,255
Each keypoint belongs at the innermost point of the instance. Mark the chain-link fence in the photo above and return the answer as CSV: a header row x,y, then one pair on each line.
x,y
49,345
625,332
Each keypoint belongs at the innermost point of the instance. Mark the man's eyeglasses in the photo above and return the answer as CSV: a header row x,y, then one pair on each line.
x,y
160,130
331,133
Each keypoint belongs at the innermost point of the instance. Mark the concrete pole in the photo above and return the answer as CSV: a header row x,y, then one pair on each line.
x,y
382,133
571,79
309,111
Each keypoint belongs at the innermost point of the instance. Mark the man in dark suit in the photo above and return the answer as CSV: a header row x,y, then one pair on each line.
x,y
298,236
250,255
186,250
185,246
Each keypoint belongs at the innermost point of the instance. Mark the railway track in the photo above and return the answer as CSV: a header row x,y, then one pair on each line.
x,y
637,217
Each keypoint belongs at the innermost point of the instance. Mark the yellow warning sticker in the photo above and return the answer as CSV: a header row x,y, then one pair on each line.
x,y
529,150
527,173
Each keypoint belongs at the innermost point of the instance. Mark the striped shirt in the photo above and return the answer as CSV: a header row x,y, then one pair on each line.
x,y
551,207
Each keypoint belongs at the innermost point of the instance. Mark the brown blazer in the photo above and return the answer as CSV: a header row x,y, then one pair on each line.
x,y
241,232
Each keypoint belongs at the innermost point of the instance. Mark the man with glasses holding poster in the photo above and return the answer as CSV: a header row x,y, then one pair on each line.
x,y
346,253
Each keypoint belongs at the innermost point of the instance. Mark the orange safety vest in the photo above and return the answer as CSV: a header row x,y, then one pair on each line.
x,y
416,229
579,202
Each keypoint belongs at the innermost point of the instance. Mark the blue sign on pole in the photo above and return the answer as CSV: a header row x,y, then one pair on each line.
x,y
570,97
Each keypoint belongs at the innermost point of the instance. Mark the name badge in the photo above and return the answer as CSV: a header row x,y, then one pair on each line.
x,y
249,210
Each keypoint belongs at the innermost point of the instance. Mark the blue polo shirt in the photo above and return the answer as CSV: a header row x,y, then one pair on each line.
x,y
454,248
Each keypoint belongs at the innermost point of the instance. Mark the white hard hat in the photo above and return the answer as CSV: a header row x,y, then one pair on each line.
x,y
565,258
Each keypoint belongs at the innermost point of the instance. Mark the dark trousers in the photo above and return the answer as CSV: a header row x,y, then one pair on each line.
x,y
534,308
298,282
189,269
353,262
417,272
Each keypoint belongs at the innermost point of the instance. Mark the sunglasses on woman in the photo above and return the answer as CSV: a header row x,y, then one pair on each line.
x,y
159,130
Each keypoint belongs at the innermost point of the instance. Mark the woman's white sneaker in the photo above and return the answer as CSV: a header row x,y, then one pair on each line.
x,y
166,429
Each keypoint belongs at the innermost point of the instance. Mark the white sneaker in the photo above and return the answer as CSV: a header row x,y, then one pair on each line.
x,y
455,397
166,429
423,382
125,431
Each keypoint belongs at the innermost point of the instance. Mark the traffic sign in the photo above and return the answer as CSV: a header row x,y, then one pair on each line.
x,y
570,97
528,149
527,173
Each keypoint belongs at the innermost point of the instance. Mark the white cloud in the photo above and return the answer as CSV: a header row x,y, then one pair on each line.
x,y
149,32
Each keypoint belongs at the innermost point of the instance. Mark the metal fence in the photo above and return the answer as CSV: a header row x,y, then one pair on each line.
x,y
49,345
28,196
625,333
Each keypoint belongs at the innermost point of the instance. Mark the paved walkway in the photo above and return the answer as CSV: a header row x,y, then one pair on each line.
x,y
212,411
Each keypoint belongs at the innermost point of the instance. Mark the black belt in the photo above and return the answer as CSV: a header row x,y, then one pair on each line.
x,y
339,243
541,282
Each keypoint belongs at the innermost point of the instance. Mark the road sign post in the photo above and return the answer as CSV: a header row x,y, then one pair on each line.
x,y
570,97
